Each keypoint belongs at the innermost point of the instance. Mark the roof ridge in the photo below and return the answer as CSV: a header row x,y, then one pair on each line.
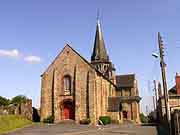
x,y
126,74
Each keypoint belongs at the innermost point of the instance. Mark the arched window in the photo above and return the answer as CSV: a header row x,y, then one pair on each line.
x,y
67,85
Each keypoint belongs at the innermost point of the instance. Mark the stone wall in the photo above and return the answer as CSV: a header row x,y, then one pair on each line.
x,y
24,109
90,89
174,103
67,63
103,90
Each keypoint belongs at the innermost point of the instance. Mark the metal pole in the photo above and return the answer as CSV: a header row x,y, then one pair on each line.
x,y
177,119
153,103
147,110
155,90
156,95
166,96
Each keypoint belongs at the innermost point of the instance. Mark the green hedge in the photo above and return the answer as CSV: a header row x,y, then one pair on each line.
x,y
143,118
49,119
105,119
4,101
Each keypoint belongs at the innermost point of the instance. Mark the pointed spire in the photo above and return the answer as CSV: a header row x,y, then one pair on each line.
x,y
99,50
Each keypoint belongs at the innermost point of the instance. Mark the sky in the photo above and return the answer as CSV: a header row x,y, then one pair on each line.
x,y
33,32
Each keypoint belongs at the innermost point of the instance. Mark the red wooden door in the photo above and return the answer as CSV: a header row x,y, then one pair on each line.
x,y
68,111
125,114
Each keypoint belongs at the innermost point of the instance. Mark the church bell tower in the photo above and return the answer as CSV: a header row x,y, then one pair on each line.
x,y
99,57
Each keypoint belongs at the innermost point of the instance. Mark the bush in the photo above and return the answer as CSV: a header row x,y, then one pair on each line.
x,y
4,101
18,99
49,119
144,119
85,121
105,119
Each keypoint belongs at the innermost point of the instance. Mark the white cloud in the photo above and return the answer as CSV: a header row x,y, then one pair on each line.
x,y
14,53
32,59
9,53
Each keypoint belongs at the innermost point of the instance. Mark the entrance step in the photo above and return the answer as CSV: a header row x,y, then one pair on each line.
x,y
128,122
68,121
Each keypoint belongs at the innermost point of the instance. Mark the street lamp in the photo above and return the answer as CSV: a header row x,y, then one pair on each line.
x,y
155,55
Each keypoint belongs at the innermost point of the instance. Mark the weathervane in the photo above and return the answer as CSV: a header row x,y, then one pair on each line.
x,y
98,16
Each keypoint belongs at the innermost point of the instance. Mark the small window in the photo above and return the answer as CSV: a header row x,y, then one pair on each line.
x,y
105,67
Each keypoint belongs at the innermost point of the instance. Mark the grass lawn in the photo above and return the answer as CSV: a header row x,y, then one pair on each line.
x,y
11,122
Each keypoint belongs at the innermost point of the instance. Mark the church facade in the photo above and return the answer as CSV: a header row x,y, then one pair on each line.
x,y
74,88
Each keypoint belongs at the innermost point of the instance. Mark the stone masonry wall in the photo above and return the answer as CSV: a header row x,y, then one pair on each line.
x,y
89,87
24,109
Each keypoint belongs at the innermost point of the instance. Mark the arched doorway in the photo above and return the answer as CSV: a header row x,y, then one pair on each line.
x,y
125,115
68,110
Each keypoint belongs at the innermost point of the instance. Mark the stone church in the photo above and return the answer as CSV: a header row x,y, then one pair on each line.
x,y
74,88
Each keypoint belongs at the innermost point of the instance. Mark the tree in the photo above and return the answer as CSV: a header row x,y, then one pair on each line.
x,y
4,101
19,99
143,118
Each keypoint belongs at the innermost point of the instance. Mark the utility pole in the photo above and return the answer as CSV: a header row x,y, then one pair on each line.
x,y
166,96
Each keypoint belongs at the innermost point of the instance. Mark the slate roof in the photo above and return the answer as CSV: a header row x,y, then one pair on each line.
x,y
173,91
114,103
99,50
125,80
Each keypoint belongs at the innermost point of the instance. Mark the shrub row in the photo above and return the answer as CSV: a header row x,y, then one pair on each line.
x,y
105,120
102,120
49,119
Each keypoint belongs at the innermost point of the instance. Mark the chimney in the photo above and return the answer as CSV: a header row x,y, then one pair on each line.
x,y
178,83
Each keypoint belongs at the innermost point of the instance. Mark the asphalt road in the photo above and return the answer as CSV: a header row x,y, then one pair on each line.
x,y
73,129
